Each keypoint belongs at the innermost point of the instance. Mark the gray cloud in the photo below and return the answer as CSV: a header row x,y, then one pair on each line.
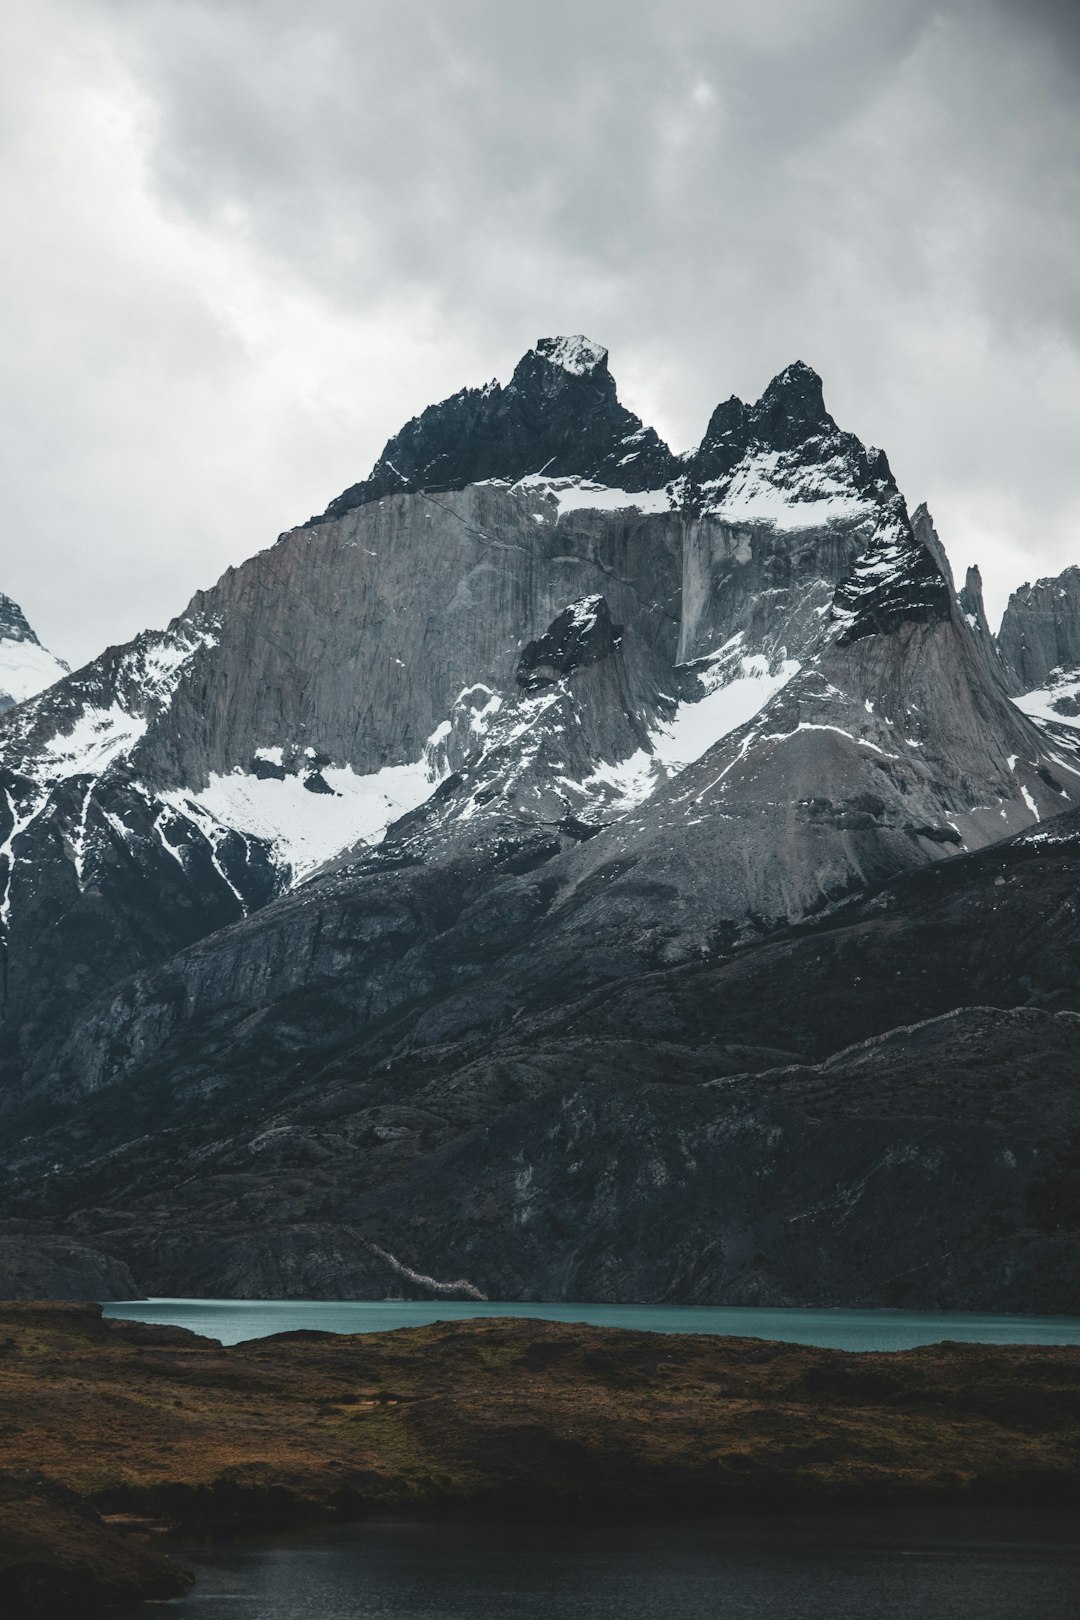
x,y
251,238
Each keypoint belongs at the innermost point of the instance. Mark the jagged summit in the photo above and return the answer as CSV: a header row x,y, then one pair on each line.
x,y
789,438
26,667
559,414
792,408
790,412
578,354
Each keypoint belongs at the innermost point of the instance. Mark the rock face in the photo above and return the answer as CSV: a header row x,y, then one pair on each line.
x,y
534,714
26,667
1040,647
34,1266
1040,631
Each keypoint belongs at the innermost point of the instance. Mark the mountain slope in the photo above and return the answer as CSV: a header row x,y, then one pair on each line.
x,y
643,1141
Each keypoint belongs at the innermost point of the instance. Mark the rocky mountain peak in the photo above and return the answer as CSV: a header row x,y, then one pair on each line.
x,y
570,369
26,667
785,432
13,622
792,408
509,749
559,414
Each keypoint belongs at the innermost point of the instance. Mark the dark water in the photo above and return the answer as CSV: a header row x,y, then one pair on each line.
x,y
231,1320
741,1571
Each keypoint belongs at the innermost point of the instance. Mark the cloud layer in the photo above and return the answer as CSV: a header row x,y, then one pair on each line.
x,y
247,239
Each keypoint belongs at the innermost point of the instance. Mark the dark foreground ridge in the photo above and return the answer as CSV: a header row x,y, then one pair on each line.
x,y
113,1429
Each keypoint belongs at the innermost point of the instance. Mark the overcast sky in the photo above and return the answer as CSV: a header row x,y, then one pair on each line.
x,y
244,240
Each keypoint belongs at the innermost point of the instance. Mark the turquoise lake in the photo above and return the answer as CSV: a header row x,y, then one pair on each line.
x,y
231,1320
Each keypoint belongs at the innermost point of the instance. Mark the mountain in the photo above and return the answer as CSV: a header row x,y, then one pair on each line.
x,y
26,667
535,713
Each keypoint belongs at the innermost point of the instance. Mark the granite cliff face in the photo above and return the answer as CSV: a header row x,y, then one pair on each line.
x,y
536,712
1040,648
1040,631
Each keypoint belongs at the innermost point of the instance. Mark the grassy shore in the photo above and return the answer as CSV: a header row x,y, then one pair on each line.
x,y
110,1428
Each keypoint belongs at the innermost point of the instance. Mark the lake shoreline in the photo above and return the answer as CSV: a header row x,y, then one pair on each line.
x,y
113,1429
232,1321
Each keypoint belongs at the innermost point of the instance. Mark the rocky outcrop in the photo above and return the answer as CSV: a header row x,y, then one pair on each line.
x,y
582,634
58,1556
1040,631
34,1266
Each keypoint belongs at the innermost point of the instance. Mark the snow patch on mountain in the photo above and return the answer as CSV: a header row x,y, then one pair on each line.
x,y
777,487
96,738
736,687
307,825
576,354
583,495
26,668
1058,702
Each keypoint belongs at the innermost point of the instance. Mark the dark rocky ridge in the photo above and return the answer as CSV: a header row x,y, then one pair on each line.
x,y
558,415
36,1266
585,1146
580,635
789,416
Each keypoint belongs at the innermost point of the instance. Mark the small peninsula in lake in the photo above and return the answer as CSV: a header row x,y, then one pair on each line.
x,y
115,1431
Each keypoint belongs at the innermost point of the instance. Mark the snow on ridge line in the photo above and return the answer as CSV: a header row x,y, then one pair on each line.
x,y
97,735
27,668
580,495
765,487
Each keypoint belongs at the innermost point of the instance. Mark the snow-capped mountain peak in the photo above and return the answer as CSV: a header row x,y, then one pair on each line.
x,y
577,354
26,667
